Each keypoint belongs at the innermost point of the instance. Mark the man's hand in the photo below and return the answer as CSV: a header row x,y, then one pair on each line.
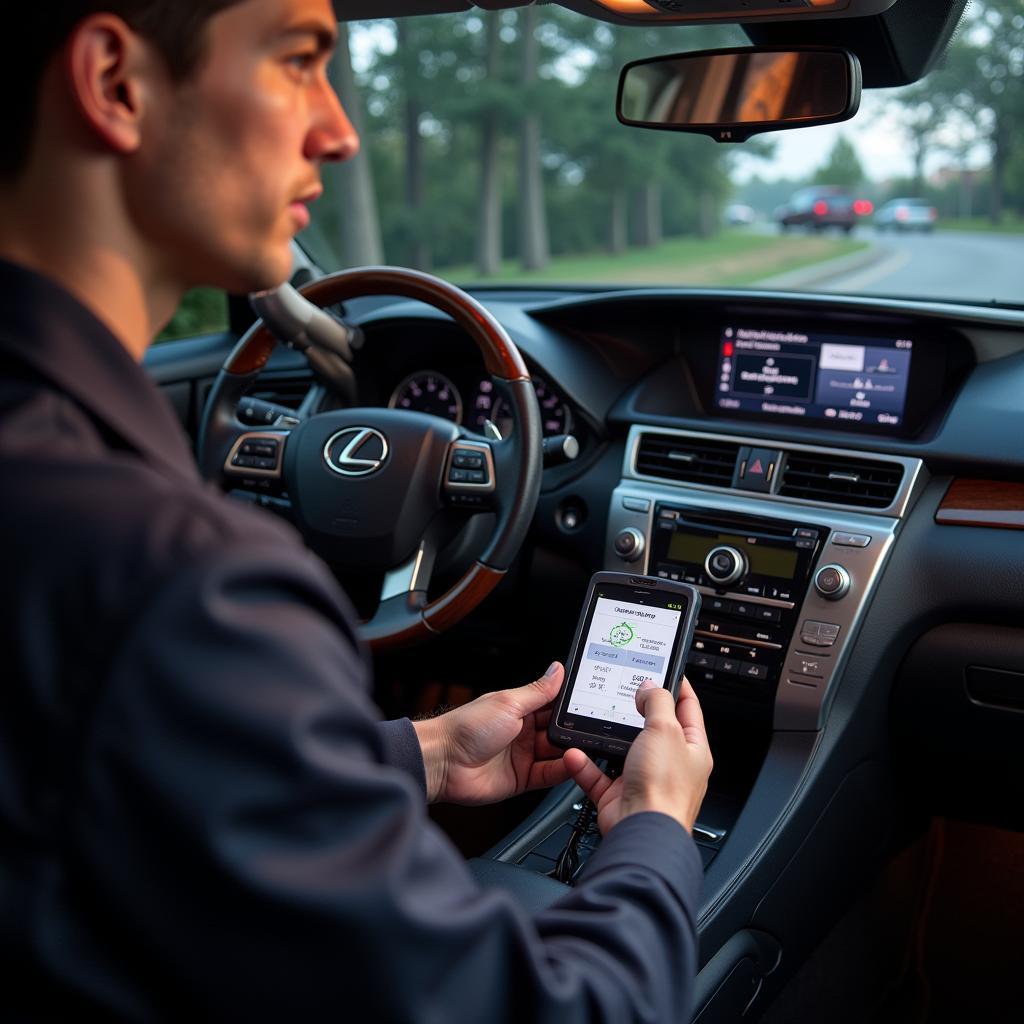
x,y
494,747
667,767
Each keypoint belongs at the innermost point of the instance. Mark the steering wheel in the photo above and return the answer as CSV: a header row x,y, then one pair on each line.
x,y
377,488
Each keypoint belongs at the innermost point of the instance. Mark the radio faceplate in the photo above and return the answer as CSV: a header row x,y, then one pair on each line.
x,y
754,573
811,640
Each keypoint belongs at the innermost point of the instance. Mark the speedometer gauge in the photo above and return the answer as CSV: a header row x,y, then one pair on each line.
x,y
429,392
554,413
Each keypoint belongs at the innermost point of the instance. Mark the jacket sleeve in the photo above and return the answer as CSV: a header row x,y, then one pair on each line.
x,y
402,749
238,829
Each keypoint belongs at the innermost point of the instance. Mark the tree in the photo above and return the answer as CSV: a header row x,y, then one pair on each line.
x,y
921,117
843,166
349,195
488,253
984,77
534,250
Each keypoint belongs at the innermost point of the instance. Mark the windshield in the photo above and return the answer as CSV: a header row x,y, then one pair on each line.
x,y
492,155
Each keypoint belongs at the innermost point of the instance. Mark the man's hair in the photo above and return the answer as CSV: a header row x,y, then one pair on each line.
x,y
36,30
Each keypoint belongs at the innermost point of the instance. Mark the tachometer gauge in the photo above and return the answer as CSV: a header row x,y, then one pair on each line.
x,y
555,416
429,392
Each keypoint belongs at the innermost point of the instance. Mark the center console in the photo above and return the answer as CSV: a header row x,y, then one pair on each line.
x,y
785,582
753,573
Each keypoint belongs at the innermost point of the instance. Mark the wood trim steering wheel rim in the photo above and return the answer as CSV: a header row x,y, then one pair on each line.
x,y
409,619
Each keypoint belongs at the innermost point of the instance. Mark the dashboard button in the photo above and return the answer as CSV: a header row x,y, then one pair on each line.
x,y
757,469
768,614
832,582
629,544
637,504
752,670
851,540
728,666
718,604
809,666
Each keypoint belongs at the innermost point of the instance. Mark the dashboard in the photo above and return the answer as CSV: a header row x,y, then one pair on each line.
x,y
836,432
843,480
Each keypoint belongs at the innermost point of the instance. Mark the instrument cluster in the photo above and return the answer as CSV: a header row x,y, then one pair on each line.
x,y
430,391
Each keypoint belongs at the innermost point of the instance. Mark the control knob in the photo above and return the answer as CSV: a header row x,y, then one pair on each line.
x,y
832,582
725,564
629,544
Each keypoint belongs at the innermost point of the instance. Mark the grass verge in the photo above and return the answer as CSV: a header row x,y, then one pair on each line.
x,y
729,258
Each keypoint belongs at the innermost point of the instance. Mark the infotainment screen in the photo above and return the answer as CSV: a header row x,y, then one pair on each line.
x,y
813,374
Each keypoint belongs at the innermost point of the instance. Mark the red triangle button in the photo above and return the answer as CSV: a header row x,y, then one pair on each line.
x,y
756,469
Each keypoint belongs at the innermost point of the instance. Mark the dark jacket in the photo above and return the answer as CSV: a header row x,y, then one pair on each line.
x,y
200,814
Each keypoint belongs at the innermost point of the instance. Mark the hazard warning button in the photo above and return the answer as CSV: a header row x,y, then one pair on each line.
x,y
758,469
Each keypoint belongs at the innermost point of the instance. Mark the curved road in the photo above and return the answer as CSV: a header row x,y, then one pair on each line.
x,y
943,265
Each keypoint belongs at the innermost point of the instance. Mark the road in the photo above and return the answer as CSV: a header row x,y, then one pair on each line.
x,y
944,265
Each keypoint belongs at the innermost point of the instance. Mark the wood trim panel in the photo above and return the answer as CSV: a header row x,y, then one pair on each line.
x,y
998,504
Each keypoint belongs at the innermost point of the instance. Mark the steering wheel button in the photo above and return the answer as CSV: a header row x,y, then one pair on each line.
x,y
458,476
476,476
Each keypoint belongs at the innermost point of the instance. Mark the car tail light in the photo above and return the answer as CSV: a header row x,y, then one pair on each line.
x,y
862,207
821,207
902,213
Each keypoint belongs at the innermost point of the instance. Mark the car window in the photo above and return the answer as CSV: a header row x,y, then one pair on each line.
x,y
201,311
491,153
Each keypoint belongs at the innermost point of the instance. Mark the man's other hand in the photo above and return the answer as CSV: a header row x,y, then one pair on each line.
x,y
667,767
494,747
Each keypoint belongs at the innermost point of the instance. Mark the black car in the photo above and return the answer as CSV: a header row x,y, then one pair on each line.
x,y
824,206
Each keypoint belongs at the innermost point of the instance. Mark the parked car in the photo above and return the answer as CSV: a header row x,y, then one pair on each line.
x,y
824,206
906,215
739,214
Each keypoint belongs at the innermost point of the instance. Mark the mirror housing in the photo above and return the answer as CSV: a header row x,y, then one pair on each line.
x,y
734,93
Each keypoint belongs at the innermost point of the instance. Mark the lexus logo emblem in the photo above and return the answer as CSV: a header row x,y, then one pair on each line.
x,y
356,451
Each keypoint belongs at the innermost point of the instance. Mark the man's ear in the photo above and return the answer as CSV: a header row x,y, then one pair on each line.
x,y
106,64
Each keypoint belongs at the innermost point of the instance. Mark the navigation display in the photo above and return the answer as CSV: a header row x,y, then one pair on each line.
x,y
626,644
829,377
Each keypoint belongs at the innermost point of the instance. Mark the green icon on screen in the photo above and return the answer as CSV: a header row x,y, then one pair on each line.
x,y
621,634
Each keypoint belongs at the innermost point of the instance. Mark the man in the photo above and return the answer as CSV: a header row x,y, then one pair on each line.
x,y
200,814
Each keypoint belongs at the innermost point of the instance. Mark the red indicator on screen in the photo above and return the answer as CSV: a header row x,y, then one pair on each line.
x,y
727,349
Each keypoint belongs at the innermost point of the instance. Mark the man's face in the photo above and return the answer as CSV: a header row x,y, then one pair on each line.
x,y
229,158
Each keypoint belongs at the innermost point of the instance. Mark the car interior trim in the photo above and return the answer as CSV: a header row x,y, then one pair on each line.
x,y
407,578
998,504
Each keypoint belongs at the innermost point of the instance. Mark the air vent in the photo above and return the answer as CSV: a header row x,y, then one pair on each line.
x,y
861,482
687,459
286,391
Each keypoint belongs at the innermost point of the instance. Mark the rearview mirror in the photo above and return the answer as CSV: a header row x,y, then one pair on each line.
x,y
733,94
